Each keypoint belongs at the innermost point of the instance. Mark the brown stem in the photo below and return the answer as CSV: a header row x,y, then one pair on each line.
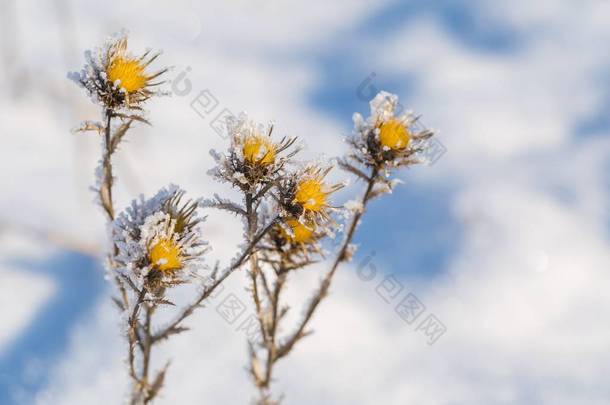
x,y
272,346
254,269
105,190
208,290
267,329
342,255
273,351
134,338
105,194
147,344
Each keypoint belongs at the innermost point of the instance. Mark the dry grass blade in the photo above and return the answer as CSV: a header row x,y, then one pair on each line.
x,y
118,135
157,383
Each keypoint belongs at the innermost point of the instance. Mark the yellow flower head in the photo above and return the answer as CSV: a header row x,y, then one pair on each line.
x,y
259,150
311,194
129,71
116,78
301,233
393,134
165,255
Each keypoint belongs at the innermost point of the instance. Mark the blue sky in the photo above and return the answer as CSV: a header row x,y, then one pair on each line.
x,y
413,233
26,362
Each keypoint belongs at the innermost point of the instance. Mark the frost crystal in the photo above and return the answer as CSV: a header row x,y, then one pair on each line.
x,y
354,206
389,137
147,223
113,58
253,158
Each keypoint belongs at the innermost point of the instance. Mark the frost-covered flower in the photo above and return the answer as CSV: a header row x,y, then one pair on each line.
x,y
311,194
393,134
259,150
294,240
116,78
157,240
304,193
388,137
298,240
253,158
297,231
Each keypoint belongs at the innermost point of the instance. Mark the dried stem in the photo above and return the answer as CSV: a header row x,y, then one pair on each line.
x,y
105,196
137,337
105,191
175,326
272,350
341,256
267,318
251,216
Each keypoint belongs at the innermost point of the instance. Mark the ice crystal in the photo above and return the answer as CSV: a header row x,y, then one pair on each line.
x,y
145,223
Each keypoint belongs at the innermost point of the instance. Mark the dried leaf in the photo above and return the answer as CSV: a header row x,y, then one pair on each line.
x,y
118,303
118,135
158,382
352,169
90,126
106,198
133,117
160,301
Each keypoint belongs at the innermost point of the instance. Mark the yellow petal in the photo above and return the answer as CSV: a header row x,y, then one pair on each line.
x,y
130,73
301,233
259,150
394,135
310,194
165,255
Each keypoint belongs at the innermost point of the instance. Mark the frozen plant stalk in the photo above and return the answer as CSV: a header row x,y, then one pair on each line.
x,y
155,244
153,239
298,199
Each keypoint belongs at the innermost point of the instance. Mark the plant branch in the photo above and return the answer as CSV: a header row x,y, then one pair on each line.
x,y
141,392
254,269
342,256
208,290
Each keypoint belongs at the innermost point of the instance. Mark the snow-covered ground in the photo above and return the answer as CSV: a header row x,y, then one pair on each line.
x,y
505,239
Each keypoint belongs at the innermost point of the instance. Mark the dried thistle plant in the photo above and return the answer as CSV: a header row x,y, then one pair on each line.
x,y
298,201
155,244
119,83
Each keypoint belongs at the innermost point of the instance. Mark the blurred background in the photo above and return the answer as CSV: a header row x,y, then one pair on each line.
x,y
503,240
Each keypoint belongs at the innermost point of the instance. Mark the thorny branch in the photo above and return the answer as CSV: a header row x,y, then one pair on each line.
x,y
269,321
175,327
105,195
267,329
139,337
254,270
341,256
